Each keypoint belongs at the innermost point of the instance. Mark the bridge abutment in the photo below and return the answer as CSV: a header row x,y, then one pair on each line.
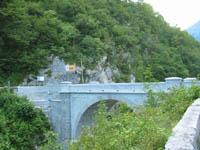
x,y
60,116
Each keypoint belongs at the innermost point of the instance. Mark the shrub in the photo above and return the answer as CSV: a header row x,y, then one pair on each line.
x,y
22,127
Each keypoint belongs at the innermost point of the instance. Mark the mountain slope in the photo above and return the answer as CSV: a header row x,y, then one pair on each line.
x,y
134,39
195,30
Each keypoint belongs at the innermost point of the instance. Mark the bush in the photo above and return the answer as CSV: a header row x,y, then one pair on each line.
x,y
51,142
22,127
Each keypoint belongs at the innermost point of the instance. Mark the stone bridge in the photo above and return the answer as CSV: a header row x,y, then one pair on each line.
x,y
70,107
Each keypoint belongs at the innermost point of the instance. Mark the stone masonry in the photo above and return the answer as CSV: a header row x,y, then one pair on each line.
x,y
70,107
186,133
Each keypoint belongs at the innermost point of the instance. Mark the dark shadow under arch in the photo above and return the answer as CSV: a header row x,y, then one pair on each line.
x,y
87,117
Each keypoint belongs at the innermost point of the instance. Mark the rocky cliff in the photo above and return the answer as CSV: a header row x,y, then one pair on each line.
x,y
56,73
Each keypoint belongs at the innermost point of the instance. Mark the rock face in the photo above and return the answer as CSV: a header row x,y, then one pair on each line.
x,y
100,74
56,73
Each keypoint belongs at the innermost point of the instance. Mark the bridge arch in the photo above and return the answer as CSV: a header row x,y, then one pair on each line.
x,y
86,119
86,107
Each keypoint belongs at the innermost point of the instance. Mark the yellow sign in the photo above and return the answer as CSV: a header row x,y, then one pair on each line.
x,y
70,67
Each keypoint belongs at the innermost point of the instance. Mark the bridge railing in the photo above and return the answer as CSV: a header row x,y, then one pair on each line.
x,y
42,91
113,87
129,87
110,87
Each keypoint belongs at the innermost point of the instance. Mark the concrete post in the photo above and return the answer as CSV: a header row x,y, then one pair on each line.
x,y
173,82
188,82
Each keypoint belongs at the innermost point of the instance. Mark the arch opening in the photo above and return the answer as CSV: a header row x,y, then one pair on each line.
x,y
87,119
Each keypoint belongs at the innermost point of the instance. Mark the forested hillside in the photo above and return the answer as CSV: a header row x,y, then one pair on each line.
x,y
135,39
195,30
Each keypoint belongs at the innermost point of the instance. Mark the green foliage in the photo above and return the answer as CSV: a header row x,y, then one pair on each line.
x,y
198,76
176,102
49,73
135,39
22,127
51,142
148,75
140,128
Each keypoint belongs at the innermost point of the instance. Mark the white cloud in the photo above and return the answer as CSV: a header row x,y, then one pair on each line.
x,y
180,13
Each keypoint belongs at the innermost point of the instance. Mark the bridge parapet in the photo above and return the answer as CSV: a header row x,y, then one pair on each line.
x,y
187,82
128,87
113,87
186,133
40,94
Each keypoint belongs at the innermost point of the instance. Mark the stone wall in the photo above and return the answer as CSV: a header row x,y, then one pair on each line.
x,y
186,133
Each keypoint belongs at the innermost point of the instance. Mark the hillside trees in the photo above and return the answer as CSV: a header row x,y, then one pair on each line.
x,y
28,34
88,30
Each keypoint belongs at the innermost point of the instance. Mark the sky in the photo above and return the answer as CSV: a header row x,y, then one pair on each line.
x,y
179,13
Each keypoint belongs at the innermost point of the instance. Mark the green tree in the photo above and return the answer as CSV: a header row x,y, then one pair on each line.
x,y
22,126
31,30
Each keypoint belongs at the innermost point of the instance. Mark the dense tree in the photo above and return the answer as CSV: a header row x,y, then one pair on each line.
x,y
83,29
21,125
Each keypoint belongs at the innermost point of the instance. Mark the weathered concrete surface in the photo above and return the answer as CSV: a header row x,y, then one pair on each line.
x,y
186,132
